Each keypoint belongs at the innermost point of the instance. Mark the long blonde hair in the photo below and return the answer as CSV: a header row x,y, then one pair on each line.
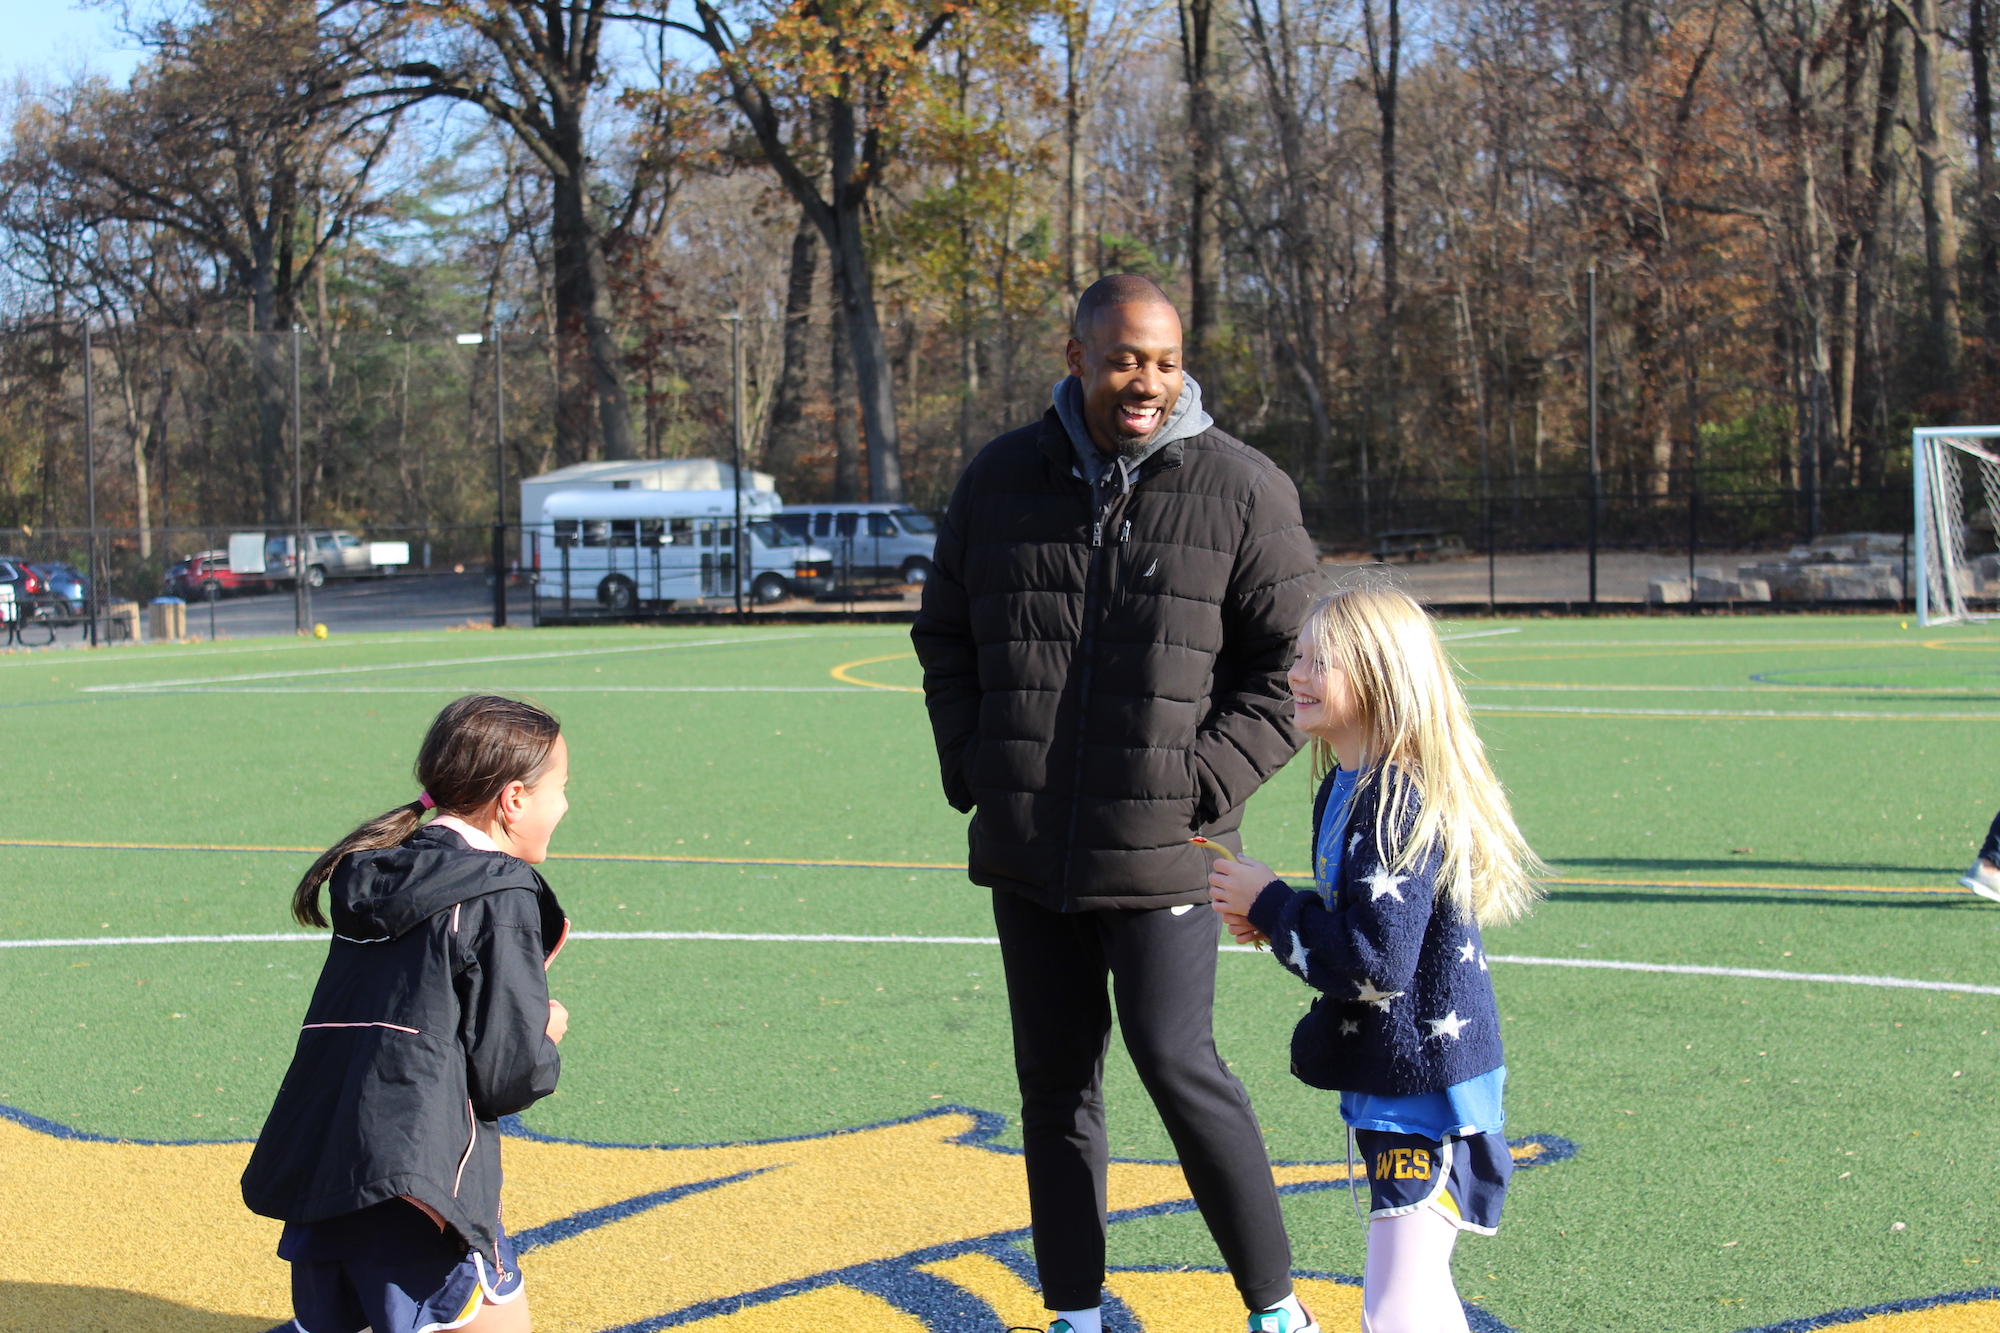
x,y
1421,740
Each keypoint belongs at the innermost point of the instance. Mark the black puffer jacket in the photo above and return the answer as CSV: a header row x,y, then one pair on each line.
x,y
428,1024
1103,691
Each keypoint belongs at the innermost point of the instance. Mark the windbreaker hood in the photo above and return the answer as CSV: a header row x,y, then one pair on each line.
x,y
382,895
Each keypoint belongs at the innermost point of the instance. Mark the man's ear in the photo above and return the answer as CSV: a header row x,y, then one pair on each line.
x,y
1073,356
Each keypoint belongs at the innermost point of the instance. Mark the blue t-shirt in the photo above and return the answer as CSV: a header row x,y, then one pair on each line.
x,y
1471,1107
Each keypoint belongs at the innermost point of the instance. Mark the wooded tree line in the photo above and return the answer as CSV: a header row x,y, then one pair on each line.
x,y
1377,215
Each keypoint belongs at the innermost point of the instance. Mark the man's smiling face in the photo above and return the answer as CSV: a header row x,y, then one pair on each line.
x,y
1129,360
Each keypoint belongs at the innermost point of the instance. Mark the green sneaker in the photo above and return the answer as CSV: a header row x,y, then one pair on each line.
x,y
1283,1321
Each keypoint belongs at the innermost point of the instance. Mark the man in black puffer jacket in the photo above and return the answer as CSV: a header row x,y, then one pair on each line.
x,y
1104,638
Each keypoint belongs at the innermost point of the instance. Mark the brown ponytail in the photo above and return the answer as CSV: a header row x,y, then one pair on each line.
x,y
474,749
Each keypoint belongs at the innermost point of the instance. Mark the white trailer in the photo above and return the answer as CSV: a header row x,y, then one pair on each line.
x,y
626,551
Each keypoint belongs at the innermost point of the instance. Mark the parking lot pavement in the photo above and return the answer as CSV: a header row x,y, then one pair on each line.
x,y
406,602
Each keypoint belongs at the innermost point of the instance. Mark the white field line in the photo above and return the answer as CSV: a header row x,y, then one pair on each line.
x,y
141,686
1478,634
1599,964
1748,714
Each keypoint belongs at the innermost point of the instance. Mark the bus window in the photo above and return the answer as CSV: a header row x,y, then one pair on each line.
x,y
565,533
822,524
704,533
880,526
914,521
681,532
652,532
725,534
596,532
624,532
797,526
845,525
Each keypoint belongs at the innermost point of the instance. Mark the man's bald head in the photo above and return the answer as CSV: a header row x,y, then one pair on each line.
x,y
1115,289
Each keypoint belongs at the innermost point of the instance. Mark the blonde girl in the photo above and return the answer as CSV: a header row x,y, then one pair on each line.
x,y
1415,851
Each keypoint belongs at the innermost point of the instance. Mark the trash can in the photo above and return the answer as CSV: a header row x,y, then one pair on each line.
x,y
167,620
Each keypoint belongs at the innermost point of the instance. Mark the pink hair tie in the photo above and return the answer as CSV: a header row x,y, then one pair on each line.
x,y
424,799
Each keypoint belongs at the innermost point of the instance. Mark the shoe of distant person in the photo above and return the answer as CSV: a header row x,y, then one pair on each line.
x,y
1983,879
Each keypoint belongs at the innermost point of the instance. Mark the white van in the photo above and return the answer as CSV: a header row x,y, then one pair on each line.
x,y
626,550
869,540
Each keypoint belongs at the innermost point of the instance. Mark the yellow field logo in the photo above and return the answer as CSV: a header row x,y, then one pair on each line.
x,y
903,1227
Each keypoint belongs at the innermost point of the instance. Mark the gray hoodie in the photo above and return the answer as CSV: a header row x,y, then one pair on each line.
x,y
1184,422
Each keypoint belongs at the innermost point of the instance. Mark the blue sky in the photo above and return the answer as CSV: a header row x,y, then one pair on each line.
x,y
50,39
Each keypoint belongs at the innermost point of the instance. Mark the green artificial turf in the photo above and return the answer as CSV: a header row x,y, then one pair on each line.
x,y
1706,1110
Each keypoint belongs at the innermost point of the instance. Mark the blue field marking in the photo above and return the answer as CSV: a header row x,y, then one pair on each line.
x,y
548,1233
55,1130
1836,1318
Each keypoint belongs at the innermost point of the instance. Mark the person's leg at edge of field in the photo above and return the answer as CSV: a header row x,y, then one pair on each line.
x,y
1984,877
1163,975
1406,1287
1062,1026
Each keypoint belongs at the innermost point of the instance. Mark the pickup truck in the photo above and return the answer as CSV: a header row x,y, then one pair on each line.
x,y
334,554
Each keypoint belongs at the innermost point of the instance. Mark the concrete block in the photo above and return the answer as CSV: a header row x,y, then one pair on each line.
x,y
1715,588
1667,592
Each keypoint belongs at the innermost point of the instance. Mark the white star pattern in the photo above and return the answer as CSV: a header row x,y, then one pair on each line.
x,y
1448,1026
1382,885
1366,993
1352,843
1482,961
1467,951
1348,1027
1298,958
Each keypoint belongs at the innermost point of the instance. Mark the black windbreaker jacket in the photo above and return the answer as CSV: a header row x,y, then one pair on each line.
x,y
428,1024
1103,686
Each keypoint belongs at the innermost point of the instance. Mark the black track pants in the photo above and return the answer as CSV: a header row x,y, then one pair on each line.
x,y
1162,970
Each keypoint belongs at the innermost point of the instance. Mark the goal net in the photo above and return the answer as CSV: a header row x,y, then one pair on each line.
x,y
1956,475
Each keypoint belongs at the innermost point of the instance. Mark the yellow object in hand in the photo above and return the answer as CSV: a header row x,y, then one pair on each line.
x,y
1222,851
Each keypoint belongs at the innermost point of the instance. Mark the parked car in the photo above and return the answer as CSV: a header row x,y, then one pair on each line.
x,y
65,583
331,554
32,599
868,540
190,578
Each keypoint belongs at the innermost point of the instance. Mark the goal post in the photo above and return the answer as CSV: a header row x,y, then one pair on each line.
x,y
1955,473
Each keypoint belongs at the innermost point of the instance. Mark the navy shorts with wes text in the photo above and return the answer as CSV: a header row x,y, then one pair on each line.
x,y
1464,1180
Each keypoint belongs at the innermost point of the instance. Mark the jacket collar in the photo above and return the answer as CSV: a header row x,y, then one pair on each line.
x,y
1053,442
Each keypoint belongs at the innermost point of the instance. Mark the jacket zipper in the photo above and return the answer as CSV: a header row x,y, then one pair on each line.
x,y
1086,648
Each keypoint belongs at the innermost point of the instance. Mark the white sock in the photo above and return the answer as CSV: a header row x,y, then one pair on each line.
x,y
1083,1321
1291,1306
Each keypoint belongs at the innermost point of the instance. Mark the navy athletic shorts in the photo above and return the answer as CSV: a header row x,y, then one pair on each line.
x,y
1464,1180
388,1269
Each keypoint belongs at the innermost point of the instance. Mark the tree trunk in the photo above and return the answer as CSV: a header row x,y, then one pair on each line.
x,y
1882,169
1204,256
781,454
1847,244
1979,37
846,443
588,346
268,351
1076,33
854,294
1385,54
1935,189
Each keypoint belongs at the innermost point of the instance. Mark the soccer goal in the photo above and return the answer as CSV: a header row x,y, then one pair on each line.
x,y
1956,476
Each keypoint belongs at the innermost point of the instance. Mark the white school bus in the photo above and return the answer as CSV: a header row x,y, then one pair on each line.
x,y
627,551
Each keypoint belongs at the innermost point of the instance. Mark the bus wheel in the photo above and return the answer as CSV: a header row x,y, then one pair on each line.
x,y
770,588
617,595
916,570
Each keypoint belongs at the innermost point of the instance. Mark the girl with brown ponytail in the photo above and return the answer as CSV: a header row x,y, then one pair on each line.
x,y
431,1020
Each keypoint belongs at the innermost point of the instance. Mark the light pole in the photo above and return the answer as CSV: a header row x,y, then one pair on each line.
x,y
736,446
90,480
1596,476
499,477
301,592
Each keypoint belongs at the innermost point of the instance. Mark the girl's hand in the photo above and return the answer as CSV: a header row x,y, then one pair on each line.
x,y
1232,887
558,1020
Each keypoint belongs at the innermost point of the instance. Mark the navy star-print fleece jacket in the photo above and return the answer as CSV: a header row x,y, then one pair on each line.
x,y
1406,1004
